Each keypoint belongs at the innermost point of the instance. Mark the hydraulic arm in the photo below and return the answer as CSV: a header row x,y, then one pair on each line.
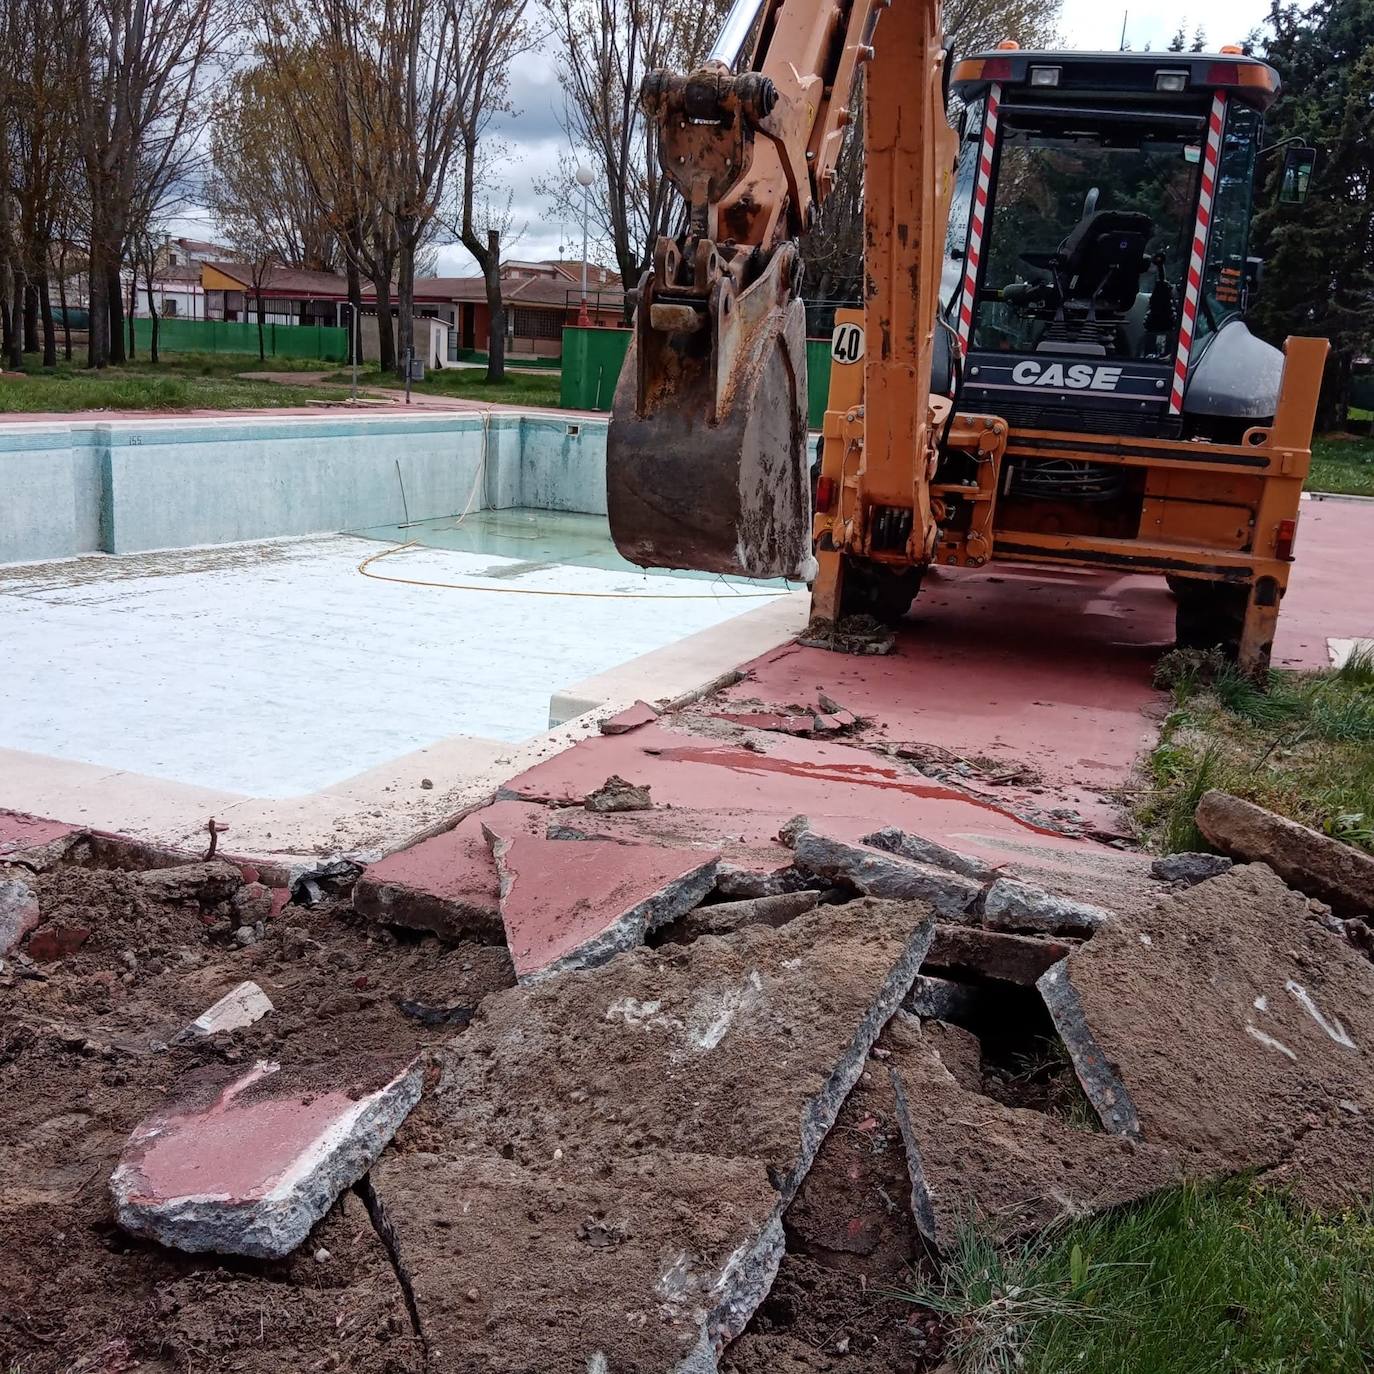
x,y
706,460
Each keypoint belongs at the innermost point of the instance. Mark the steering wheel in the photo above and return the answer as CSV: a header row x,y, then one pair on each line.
x,y
1090,201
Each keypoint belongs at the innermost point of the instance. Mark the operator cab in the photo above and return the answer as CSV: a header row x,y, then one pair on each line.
x,y
1096,261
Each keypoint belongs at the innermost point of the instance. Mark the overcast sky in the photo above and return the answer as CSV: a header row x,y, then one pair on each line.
x,y
533,139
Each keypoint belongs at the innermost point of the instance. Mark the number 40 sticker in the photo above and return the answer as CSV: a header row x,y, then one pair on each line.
x,y
847,343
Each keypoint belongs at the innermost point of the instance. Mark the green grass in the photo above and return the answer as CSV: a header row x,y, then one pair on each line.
x,y
183,381
1342,463
1301,744
469,383
1198,1280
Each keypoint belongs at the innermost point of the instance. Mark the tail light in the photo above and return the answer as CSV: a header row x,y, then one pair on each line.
x,y
825,493
1284,538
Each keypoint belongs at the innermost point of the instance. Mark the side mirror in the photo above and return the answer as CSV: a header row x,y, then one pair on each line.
x,y
1297,173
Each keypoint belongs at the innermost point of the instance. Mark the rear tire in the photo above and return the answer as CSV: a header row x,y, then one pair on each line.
x,y
1210,615
877,590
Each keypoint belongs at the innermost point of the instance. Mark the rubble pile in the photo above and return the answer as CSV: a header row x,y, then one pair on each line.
x,y
651,1103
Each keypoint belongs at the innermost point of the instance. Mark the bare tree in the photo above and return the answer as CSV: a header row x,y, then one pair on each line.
x,y
972,25
315,54
605,48
257,174
495,32
141,68
833,250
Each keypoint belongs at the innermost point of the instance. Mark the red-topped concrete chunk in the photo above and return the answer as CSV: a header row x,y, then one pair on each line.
x,y
245,1163
576,903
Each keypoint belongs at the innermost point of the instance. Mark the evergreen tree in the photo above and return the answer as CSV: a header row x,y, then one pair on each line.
x,y
1319,256
1179,41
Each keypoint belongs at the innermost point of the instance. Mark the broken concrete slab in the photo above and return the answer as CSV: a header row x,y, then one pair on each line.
x,y
732,880
1016,906
786,723
1339,874
446,883
959,1050
1189,868
56,940
239,1007
631,718
574,905
1009,1170
908,846
995,953
35,841
943,999
884,875
1230,1028
246,1162
204,884
19,912
615,794
723,918
667,1104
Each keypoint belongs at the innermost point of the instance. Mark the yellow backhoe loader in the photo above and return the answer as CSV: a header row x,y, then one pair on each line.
x,y
1050,364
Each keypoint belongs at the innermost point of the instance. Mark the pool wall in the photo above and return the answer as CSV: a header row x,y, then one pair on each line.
x,y
123,486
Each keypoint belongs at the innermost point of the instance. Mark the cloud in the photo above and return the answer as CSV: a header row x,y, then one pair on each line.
x,y
1090,25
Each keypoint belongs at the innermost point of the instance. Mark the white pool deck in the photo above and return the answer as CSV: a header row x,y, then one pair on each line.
x,y
276,687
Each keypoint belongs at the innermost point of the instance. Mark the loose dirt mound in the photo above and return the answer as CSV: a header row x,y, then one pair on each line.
x,y
88,1048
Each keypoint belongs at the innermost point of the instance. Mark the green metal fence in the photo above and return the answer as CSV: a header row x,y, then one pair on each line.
x,y
592,359
324,342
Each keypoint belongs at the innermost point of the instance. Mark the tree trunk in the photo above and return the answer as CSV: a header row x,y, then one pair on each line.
x,y
17,294
30,315
386,339
262,327
152,309
49,329
496,309
405,290
114,295
98,311
62,302
4,310
355,304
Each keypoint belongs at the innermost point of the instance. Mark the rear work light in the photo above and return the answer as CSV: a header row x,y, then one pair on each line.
x,y
1044,76
1284,538
1173,81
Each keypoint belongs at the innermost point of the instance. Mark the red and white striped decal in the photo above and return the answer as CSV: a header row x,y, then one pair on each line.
x,y
978,216
1211,153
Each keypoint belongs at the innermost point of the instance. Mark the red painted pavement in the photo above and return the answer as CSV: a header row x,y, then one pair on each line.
x,y
559,895
21,831
725,792
1331,591
241,1146
456,867
1014,666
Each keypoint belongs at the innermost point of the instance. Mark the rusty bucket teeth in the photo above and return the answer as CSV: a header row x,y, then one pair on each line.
x,y
706,463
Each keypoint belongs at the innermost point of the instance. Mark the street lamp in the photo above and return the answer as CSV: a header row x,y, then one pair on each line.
x,y
585,178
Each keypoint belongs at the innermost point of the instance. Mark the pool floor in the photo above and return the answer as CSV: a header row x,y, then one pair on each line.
x,y
275,668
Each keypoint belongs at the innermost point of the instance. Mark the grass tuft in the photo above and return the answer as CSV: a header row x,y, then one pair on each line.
x,y
1197,1280
1298,743
1343,464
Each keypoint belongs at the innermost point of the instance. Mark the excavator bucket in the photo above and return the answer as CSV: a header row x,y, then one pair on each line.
x,y
706,464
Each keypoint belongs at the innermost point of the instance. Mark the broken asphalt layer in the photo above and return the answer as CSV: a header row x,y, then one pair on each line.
x,y
599,1180
1008,1170
1230,1028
